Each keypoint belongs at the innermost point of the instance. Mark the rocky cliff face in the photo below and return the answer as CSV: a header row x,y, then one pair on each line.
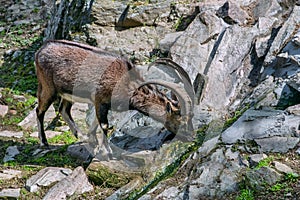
x,y
248,51
246,114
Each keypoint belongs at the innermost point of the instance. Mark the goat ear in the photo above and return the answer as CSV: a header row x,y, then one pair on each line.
x,y
169,108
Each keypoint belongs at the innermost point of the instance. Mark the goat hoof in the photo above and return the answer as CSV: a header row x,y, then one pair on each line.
x,y
44,145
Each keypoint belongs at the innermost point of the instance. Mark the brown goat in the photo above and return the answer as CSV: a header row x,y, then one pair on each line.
x,y
81,73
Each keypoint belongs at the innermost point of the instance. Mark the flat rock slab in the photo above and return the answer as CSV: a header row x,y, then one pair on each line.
x,y
277,144
10,153
282,167
261,124
46,177
9,174
10,193
76,183
11,134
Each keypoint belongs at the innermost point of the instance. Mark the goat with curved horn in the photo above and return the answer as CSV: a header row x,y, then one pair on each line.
x,y
82,73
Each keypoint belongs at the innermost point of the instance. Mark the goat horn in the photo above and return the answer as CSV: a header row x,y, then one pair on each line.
x,y
170,62
184,100
183,74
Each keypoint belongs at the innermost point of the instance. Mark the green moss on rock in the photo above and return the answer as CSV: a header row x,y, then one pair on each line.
x,y
102,175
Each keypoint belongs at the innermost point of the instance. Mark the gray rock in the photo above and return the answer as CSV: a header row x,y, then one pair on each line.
x,y
147,14
282,167
264,24
208,146
169,193
259,124
166,43
298,151
229,181
294,82
11,134
112,11
140,138
75,183
267,8
254,159
262,177
277,144
232,13
233,156
9,174
124,191
10,153
197,40
46,177
209,173
80,151
284,34
260,93
10,193
3,110
295,110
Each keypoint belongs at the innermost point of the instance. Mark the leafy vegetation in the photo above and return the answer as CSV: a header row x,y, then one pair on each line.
x,y
17,69
265,162
245,194
66,138
19,104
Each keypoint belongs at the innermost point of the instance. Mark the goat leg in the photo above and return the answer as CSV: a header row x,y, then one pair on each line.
x,y
65,110
40,123
45,99
101,114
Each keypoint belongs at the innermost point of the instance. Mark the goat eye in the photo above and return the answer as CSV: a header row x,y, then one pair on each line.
x,y
175,103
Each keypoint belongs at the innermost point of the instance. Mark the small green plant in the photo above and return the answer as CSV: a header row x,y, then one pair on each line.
x,y
245,194
277,187
291,177
32,140
66,138
235,117
265,162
